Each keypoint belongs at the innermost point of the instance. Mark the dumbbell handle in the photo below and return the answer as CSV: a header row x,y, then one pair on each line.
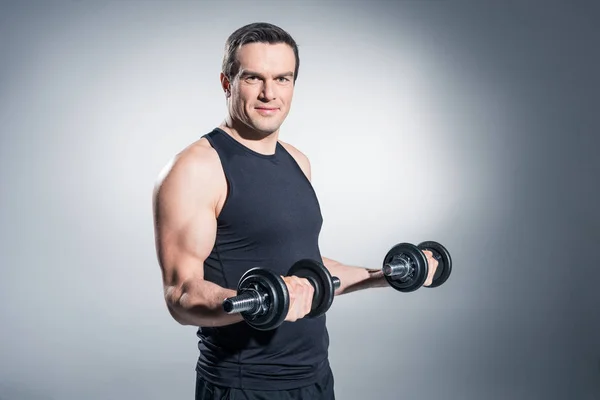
x,y
336,282
250,301
395,269
398,267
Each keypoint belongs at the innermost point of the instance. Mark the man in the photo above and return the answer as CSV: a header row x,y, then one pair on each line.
x,y
239,198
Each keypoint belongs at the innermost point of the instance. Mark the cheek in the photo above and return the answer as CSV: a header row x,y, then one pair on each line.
x,y
245,98
289,93
239,103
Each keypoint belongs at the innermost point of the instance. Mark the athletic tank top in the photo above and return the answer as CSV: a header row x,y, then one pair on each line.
x,y
271,218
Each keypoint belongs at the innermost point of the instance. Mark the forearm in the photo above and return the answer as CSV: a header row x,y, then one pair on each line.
x,y
354,278
200,303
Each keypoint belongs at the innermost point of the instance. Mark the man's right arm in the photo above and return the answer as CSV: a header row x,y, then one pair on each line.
x,y
185,201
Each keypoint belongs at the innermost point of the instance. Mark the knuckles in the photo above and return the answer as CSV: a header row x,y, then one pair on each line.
x,y
301,292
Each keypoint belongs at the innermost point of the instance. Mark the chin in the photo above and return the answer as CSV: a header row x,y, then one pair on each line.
x,y
266,129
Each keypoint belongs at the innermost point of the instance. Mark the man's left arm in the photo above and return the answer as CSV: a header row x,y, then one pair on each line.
x,y
354,278
358,278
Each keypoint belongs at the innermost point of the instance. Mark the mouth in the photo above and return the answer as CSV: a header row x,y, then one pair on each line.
x,y
266,110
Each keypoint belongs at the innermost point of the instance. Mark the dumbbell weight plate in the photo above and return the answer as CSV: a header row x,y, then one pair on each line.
x,y
441,254
418,263
277,301
319,276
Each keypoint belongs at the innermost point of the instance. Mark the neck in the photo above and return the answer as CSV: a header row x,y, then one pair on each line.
x,y
260,142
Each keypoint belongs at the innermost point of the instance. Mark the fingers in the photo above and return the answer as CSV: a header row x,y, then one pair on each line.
x,y
432,265
305,296
309,292
301,294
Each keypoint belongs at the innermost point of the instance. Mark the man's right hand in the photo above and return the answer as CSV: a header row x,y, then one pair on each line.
x,y
301,297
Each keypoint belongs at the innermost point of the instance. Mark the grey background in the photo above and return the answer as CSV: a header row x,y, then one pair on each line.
x,y
471,123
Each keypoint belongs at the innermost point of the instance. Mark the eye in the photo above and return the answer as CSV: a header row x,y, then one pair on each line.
x,y
283,79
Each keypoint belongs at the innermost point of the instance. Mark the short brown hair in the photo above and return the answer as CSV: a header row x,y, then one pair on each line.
x,y
257,32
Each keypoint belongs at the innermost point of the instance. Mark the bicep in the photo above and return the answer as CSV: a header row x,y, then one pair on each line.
x,y
183,243
185,228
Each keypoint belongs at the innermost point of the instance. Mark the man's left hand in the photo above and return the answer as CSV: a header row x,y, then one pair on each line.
x,y
432,264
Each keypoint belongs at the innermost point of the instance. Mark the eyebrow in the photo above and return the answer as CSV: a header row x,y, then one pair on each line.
x,y
252,73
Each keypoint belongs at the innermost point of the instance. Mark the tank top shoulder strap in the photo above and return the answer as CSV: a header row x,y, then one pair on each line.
x,y
215,138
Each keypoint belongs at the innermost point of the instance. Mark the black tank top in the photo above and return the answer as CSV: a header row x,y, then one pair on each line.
x,y
271,218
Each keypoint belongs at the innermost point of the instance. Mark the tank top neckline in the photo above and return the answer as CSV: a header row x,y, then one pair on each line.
x,y
247,149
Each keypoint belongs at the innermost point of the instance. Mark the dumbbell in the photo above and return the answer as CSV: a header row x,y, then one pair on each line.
x,y
263,298
405,266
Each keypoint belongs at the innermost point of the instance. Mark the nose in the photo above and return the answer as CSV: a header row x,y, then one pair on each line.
x,y
268,91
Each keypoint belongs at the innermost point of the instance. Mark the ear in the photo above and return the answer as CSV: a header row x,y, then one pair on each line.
x,y
225,84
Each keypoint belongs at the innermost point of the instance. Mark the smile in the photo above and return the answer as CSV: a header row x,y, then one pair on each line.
x,y
266,110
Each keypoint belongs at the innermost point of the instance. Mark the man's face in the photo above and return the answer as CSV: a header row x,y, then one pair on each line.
x,y
261,93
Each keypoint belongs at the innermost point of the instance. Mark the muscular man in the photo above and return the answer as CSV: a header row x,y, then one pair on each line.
x,y
238,198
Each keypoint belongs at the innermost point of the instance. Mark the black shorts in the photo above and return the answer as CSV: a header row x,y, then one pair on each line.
x,y
321,390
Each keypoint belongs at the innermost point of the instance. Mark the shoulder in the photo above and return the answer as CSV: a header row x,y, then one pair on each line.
x,y
300,158
195,169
